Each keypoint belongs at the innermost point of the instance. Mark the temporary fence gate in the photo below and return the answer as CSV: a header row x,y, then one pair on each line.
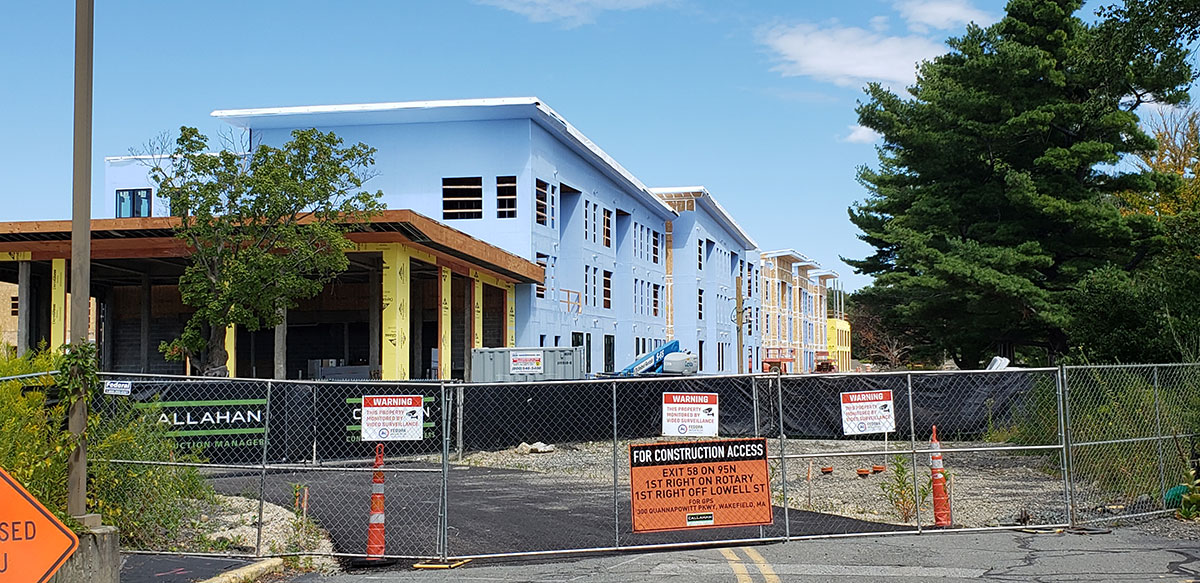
x,y
1050,447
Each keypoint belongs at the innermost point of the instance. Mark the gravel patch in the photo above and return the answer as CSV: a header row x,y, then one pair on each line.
x,y
988,488
232,524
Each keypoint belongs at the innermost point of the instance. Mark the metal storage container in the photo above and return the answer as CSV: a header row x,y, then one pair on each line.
x,y
489,365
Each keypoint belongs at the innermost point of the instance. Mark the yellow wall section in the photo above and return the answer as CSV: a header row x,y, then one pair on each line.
x,y
58,303
510,308
444,358
396,290
231,349
838,342
476,311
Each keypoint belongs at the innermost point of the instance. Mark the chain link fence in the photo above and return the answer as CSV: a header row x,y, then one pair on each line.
x,y
278,468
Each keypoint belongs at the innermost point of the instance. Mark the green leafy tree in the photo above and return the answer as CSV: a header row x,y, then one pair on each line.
x,y
266,229
994,193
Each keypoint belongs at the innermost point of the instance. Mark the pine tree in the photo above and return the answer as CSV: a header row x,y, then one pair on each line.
x,y
994,193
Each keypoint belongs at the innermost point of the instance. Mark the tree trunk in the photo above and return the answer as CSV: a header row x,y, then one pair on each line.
x,y
215,357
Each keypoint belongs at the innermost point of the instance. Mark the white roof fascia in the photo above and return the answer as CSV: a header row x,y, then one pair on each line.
x,y
549,119
233,116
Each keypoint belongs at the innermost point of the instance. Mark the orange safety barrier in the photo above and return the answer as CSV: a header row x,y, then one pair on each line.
x,y
375,527
941,502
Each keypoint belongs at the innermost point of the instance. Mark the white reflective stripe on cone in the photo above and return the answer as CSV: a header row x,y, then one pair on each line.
x,y
376,518
376,488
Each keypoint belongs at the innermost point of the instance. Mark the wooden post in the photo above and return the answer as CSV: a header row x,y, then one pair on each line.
x,y
24,307
81,252
280,357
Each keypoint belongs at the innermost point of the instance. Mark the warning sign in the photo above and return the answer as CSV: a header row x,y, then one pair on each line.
x,y
686,414
33,542
392,418
699,484
526,362
867,412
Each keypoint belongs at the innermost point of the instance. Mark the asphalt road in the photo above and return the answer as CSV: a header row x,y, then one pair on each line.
x,y
496,511
1002,556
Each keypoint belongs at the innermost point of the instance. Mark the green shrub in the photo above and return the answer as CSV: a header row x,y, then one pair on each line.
x,y
149,504
34,443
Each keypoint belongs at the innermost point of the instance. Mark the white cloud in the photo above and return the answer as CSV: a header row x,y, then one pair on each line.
x,y
923,15
848,56
879,23
570,13
861,135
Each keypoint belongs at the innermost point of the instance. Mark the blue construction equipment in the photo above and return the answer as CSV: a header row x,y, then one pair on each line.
x,y
657,362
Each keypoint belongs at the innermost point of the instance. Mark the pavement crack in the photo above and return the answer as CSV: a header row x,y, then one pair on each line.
x,y
1176,567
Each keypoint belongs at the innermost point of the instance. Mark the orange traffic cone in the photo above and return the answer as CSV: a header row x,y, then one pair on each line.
x,y
375,528
941,502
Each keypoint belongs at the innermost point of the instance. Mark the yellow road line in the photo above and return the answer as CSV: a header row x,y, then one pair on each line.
x,y
763,566
735,563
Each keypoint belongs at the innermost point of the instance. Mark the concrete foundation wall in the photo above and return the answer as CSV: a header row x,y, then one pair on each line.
x,y
97,560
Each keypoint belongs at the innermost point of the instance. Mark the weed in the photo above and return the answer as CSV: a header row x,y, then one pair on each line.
x,y
898,489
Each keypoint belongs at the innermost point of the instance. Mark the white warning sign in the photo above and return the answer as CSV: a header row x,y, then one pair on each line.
x,y
867,412
393,418
689,414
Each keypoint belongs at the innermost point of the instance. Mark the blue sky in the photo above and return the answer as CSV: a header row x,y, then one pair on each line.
x,y
752,98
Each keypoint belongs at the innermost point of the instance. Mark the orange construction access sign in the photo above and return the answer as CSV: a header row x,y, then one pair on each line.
x,y
33,542
699,484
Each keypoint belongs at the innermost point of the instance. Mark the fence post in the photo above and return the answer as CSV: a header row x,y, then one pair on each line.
x,y
458,413
754,397
262,476
444,519
616,509
1067,439
912,441
787,516
1162,466
1059,377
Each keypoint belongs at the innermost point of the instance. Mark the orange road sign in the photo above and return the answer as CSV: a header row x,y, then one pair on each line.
x,y
699,484
33,542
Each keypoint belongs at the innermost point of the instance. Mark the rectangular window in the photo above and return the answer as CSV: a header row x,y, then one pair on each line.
x,y
700,255
595,222
506,197
540,290
607,228
607,290
610,353
541,202
16,305
700,304
462,198
133,202
656,288
654,246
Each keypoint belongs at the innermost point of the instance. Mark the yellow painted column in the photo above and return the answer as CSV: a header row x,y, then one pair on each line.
x,y
58,303
510,310
393,353
476,312
231,350
444,326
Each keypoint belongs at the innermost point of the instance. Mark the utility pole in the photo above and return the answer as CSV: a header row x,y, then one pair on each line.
x,y
740,320
81,251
